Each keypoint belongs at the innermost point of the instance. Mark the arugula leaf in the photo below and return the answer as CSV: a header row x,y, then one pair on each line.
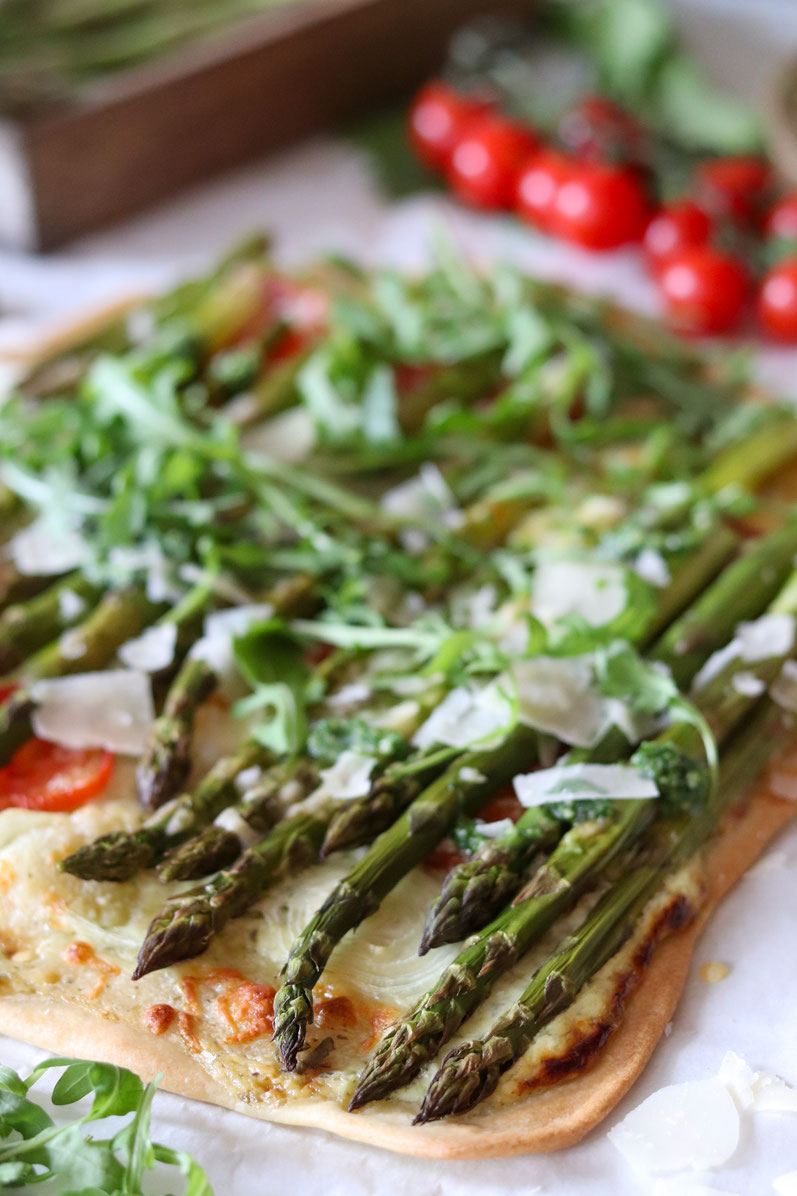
x,y
330,737
85,1166
271,661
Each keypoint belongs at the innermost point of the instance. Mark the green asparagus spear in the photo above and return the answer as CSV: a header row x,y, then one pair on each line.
x,y
471,1071
120,854
91,645
741,592
27,626
568,872
166,763
260,807
188,922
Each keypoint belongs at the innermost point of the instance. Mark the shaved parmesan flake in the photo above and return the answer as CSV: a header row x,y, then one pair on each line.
x,y
426,496
290,436
231,820
652,567
150,560
593,591
621,782
470,776
349,776
786,1185
493,830
151,651
748,685
784,689
764,638
684,1126
349,695
466,716
70,605
72,644
111,710
739,1078
558,695
248,778
42,550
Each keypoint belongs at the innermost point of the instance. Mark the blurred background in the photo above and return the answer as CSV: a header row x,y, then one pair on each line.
x,y
139,138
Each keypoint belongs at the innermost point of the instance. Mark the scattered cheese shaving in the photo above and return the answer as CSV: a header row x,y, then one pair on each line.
x,y
652,567
762,639
349,695
748,685
466,716
42,550
593,591
110,709
773,1095
784,689
349,776
558,695
151,651
620,782
231,820
493,830
691,1126
70,605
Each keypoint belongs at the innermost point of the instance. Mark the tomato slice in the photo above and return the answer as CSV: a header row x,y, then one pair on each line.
x,y
46,776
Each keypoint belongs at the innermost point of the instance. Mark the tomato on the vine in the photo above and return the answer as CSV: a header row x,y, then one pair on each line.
x,y
437,117
599,130
600,207
777,301
486,160
674,227
734,187
703,289
781,220
45,776
538,186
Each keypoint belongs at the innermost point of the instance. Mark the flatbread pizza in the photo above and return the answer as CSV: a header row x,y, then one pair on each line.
x,y
397,672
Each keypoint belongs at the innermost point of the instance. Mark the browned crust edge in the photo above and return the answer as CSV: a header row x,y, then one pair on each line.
x,y
543,1121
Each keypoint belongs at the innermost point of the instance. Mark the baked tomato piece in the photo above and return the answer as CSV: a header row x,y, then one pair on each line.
x,y
45,776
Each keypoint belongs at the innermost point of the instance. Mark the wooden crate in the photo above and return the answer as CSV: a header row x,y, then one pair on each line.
x,y
135,138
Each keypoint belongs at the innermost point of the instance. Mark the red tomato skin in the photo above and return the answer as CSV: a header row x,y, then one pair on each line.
x,y
704,290
777,302
734,187
676,226
538,185
45,776
435,122
485,163
781,220
600,208
598,130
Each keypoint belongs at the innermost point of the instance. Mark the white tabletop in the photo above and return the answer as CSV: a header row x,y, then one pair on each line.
x,y
320,196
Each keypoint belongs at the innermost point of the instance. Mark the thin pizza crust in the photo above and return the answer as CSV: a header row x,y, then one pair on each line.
x,y
543,1120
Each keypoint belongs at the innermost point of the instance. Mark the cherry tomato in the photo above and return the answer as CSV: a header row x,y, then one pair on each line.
x,y
46,776
675,227
600,207
777,301
486,160
436,119
598,130
704,290
538,186
733,187
781,219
